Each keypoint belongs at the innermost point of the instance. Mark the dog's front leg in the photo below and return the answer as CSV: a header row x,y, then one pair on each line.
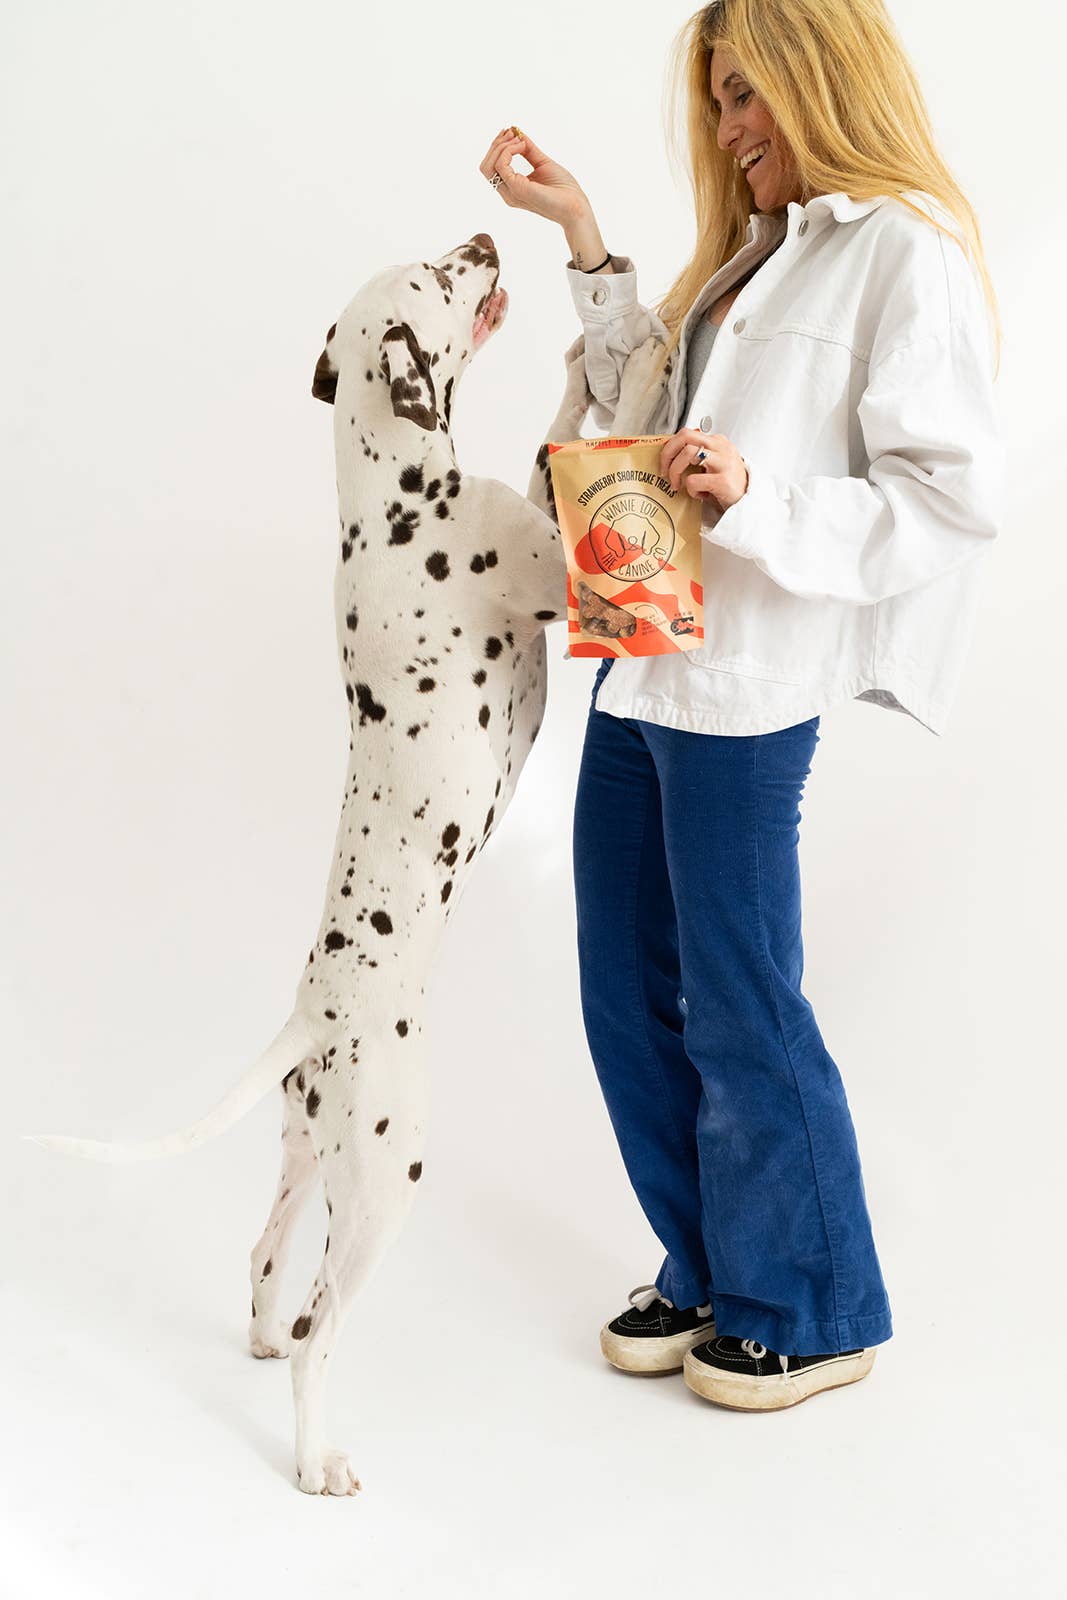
x,y
642,406
528,569
567,424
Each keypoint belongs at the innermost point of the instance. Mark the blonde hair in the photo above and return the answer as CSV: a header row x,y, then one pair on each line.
x,y
835,77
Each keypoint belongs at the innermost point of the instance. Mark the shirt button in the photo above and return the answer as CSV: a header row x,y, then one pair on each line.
x,y
599,296
705,424
739,324
803,226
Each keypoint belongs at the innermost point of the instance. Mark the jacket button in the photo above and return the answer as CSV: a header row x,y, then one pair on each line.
x,y
599,296
803,226
705,424
739,324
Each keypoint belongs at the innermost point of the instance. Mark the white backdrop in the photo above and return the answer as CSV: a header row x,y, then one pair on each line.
x,y
190,197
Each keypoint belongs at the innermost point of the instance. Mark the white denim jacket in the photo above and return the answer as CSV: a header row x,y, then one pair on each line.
x,y
854,373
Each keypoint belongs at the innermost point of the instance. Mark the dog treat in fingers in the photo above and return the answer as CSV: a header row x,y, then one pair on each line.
x,y
633,549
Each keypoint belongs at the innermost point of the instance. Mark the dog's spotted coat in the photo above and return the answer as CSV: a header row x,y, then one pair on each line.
x,y
444,585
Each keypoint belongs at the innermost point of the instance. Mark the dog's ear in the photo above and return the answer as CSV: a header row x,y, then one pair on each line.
x,y
324,383
406,369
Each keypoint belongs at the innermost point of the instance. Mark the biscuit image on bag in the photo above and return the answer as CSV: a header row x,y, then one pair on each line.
x,y
633,549
600,618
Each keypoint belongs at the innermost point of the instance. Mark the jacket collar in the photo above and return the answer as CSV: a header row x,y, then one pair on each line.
x,y
840,206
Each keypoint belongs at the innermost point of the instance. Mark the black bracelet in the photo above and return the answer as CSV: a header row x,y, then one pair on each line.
x,y
600,264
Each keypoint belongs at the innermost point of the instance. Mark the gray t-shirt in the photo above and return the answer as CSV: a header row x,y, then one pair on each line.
x,y
696,357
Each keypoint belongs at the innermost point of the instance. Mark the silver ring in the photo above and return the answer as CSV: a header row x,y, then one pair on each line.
x,y
496,180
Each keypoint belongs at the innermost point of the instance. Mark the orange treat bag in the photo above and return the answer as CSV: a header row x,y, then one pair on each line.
x,y
633,549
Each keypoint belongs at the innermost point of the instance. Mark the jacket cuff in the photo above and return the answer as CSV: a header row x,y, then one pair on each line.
x,y
737,528
600,296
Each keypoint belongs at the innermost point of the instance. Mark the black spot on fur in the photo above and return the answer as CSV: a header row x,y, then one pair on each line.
x,y
301,1327
351,620
437,565
490,558
480,676
493,647
381,922
415,1171
446,890
402,1028
426,684
368,706
380,1127
477,564
402,524
334,940
311,1104
450,835
411,480
544,616
483,717
268,1268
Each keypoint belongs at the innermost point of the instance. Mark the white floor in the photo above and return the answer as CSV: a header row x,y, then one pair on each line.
x,y
499,1455
147,1455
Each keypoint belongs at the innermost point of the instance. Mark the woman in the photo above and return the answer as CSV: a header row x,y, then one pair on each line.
x,y
839,275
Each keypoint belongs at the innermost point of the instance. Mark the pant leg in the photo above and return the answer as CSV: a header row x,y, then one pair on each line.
x,y
629,980
784,1213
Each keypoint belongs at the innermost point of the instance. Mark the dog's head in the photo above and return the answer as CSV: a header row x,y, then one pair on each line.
x,y
407,335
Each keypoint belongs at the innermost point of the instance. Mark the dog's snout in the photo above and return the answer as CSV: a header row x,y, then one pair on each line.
x,y
485,240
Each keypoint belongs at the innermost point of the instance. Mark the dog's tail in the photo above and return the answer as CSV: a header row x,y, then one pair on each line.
x,y
292,1045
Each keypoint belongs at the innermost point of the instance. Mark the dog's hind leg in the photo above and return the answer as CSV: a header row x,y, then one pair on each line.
x,y
267,1336
368,1129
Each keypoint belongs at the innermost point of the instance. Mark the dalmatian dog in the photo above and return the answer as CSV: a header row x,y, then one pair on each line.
x,y
444,586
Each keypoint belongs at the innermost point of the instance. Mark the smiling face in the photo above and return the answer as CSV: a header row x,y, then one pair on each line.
x,y
746,125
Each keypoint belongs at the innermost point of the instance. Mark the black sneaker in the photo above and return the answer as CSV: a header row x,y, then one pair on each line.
x,y
744,1375
654,1335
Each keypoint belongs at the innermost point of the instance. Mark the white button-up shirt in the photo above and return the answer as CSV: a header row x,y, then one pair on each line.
x,y
854,373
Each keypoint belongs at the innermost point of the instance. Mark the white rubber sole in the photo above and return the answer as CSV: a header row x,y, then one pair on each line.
x,y
773,1392
653,1354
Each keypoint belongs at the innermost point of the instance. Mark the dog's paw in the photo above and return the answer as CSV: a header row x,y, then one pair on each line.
x,y
577,397
328,1474
575,355
267,1341
640,385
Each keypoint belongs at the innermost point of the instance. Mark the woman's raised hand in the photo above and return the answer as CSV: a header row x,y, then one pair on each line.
x,y
548,191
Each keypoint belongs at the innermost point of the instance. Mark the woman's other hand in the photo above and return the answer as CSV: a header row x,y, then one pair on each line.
x,y
548,191
722,475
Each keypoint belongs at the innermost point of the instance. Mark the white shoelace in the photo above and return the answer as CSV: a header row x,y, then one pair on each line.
x,y
650,1293
757,1351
